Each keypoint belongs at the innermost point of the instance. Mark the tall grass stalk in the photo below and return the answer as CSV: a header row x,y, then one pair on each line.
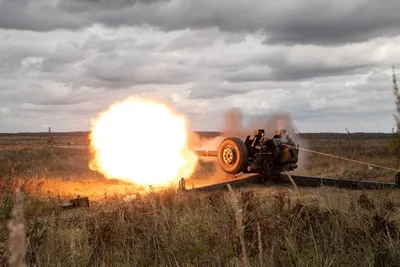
x,y
239,224
16,228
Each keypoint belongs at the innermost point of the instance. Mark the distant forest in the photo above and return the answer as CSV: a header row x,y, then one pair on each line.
x,y
209,134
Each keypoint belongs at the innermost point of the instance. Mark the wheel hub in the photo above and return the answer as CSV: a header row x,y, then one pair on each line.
x,y
228,155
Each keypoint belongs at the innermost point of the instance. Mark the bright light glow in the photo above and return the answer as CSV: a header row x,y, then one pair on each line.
x,y
142,141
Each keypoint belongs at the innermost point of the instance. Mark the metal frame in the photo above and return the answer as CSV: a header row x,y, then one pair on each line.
x,y
299,180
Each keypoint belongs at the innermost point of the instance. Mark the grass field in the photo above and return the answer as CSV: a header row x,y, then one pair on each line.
x,y
269,226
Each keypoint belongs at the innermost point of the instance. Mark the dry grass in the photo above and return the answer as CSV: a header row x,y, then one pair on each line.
x,y
16,227
274,226
374,151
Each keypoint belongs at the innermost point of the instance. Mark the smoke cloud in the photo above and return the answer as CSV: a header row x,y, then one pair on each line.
x,y
233,123
282,121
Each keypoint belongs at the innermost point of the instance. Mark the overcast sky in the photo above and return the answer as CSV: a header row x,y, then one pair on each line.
x,y
326,63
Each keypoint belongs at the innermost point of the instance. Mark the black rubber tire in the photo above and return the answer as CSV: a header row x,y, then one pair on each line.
x,y
241,154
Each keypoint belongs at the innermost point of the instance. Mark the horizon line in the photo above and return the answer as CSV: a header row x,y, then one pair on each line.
x,y
202,131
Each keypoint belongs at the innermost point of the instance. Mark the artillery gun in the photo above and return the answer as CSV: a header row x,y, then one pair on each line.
x,y
269,158
258,155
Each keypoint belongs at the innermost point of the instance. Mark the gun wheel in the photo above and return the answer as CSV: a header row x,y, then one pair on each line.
x,y
232,155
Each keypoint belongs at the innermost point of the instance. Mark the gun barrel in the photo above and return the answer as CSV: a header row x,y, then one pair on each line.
x,y
206,153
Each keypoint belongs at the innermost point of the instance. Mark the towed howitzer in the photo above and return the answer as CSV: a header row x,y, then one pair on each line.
x,y
259,155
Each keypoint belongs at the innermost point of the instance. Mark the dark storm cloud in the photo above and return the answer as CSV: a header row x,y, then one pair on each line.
x,y
291,73
37,16
96,5
293,21
330,22
216,89
299,73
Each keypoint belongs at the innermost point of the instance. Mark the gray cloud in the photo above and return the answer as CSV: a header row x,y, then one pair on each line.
x,y
37,16
63,78
216,89
95,5
294,21
221,89
13,56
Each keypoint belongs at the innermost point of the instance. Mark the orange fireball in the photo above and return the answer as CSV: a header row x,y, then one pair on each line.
x,y
142,141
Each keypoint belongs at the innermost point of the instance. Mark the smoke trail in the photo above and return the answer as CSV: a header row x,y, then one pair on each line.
x,y
233,123
282,121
